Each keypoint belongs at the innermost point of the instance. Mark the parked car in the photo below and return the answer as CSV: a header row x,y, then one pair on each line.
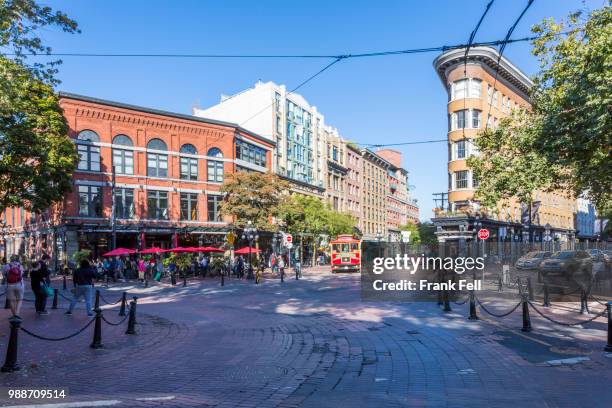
x,y
531,260
596,254
565,271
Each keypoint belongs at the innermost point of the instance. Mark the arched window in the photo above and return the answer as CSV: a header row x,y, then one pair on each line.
x,y
123,159
215,167
89,154
157,163
123,140
215,152
189,165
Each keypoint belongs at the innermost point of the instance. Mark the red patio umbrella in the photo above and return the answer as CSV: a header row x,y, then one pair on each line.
x,y
152,250
120,252
182,249
210,249
245,251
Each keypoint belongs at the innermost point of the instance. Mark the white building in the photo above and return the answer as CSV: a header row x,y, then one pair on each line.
x,y
287,119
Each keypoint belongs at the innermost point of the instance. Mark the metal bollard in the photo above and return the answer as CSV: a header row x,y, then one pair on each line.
x,y
64,284
447,307
530,288
173,279
123,302
10,363
222,278
608,347
282,273
500,284
55,292
132,319
7,304
97,302
97,337
184,279
473,315
584,306
546,296
146,285
526,319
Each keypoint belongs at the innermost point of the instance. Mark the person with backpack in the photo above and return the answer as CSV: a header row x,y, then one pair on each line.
x,y
39,280
13,276
83,286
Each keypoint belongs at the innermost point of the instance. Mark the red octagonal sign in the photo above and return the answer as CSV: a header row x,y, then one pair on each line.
x,y
483,233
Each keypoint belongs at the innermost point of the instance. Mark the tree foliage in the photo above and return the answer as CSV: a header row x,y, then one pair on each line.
x,y
564,141
37,157
302,213
427,233
254,197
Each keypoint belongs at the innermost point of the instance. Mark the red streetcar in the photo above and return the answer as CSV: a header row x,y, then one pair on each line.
x,y
345,254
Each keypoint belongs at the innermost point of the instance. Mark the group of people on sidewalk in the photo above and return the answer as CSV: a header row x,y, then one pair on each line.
x,y
13,278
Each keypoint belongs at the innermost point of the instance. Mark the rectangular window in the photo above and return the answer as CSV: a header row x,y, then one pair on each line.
x,y
277,100
475,86
476,114
124,203
461,179
459,89
90,201
215,171
189,206
89,157
475,181
189,168
157,165
213,202
460,149
459,119
123,161
157,205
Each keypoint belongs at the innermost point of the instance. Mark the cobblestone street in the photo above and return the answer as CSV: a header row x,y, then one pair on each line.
x,y
308,343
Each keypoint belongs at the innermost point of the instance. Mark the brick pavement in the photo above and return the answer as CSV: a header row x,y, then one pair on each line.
x,y
313,343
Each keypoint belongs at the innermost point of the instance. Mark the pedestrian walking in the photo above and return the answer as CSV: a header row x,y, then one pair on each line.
x,y
142,268
83,286
119,267
281,265
39,278
160,269
13,276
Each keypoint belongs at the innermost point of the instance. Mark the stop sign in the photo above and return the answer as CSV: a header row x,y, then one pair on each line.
x,y
483,233
288,238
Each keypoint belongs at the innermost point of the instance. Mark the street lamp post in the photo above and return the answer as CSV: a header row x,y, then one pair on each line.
x,y
250,234
113,210
477,227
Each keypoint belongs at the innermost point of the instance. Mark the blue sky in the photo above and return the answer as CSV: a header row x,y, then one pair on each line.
x,y
372,100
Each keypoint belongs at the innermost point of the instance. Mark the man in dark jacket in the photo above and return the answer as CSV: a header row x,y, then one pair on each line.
x,y
83,286
39,277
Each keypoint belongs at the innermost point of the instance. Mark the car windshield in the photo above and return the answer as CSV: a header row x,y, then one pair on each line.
x,y
533,254
562,255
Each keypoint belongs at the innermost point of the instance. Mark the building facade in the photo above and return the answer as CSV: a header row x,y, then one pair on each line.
x,y
354,184
585,219
286,119
374,198
475,101
145,178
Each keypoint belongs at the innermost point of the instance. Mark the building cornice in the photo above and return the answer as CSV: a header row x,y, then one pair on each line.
x,y
487,56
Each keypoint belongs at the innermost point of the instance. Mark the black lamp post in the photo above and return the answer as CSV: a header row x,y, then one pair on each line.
x,y
379,237
249,233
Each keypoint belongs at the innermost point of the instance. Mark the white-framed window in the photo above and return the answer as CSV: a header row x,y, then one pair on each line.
x,y
458,119
89,154
215,167
157,163
461,179
123,159
466,88
476,115
459,150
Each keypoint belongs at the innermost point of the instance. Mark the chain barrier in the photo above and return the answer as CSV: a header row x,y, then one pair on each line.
x,y
462,303
64,297
603,312
495,314
598,301
110,303
38,336
115,324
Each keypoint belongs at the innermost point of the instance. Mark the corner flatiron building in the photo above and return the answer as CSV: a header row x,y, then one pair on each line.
x,y
476,100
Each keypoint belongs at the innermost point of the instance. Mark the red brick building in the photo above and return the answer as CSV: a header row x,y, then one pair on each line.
x,y
164,170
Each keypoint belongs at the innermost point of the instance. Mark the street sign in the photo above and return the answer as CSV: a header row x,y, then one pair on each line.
x,y
230,238
288,238
406,236
547,238
483,233
289,245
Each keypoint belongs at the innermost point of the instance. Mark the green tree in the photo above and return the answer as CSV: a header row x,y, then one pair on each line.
x,y
254,197
37,157
564,141
427,233
415,236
